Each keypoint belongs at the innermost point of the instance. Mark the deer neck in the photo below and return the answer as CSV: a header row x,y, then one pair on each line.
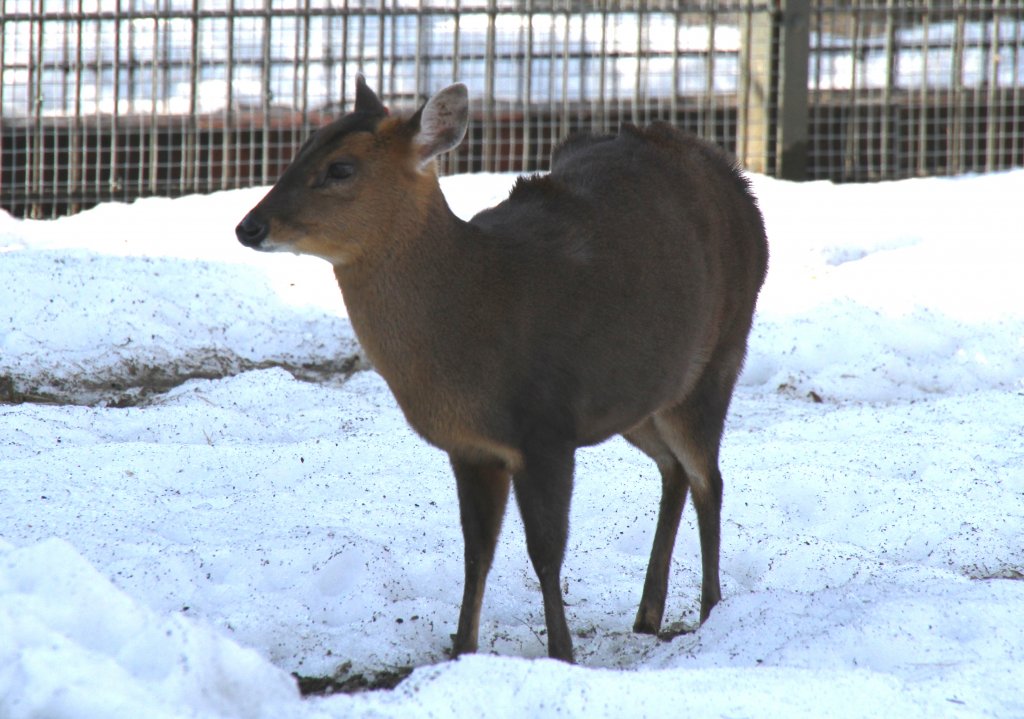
x,y
406,303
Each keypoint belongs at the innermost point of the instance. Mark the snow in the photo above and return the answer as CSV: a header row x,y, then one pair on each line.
x,y
180,553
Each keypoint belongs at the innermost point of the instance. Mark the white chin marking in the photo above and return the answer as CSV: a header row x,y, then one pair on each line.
x,y
269,245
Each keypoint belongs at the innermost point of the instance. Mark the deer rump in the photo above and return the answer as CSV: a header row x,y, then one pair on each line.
x,y
611,296
636,272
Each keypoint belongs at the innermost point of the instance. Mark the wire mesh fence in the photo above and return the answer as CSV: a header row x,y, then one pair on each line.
x,y
115,99
920,88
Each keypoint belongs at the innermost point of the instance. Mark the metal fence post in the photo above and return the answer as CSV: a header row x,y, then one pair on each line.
x,y
794,44
773,103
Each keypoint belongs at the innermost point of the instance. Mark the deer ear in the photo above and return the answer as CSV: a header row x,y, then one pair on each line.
x,y
366,99
442,122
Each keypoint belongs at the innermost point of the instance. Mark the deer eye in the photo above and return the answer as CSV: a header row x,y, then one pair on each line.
x,y
340,170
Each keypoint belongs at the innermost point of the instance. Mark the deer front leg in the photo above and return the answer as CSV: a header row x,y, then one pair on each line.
x,y
483,494
543,491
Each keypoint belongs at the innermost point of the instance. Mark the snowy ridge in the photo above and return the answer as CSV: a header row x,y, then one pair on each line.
x,y
176,304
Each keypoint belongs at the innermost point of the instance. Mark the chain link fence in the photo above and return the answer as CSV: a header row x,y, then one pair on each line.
x,y
106,100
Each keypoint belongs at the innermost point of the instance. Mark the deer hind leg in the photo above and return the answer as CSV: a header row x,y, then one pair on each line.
x,y
673,497
483,494
693,431
543,491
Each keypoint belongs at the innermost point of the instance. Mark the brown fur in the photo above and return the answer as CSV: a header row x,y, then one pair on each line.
x,y
612,296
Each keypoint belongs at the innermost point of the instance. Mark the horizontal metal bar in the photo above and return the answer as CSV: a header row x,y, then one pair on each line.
x,y
356,12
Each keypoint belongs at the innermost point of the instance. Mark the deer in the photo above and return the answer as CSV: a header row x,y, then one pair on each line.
x,y
613,295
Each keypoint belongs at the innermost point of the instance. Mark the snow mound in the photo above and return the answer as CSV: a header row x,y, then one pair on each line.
x,y
73,645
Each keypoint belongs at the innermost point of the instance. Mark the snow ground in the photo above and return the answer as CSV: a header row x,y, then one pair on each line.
x,y
179,554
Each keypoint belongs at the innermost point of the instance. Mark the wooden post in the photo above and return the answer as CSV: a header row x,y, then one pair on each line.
x,y
773,89
753,148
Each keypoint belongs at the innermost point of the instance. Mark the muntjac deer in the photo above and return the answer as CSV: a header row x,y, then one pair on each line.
x,y
611,296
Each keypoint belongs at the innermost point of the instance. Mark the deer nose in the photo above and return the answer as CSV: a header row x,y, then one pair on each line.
x,y
251,231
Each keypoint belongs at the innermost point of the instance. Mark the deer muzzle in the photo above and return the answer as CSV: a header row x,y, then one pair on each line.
x,y
251,231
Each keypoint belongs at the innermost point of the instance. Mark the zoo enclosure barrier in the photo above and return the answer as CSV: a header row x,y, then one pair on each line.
x,y
105,100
